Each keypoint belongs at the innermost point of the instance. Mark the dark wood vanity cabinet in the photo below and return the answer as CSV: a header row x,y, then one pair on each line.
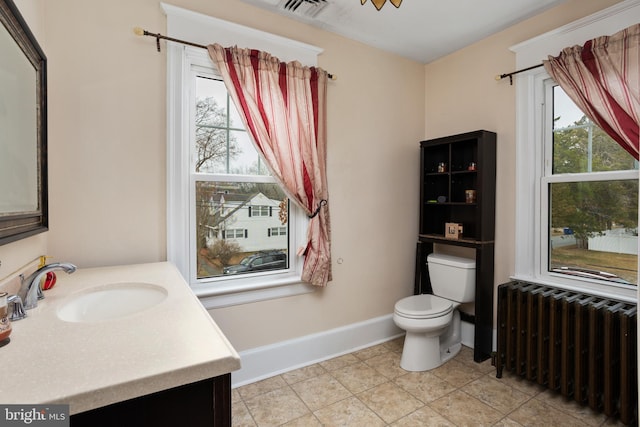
x,y
458,185
204,403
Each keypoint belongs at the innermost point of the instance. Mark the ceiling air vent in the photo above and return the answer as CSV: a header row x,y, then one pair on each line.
x,y
308,8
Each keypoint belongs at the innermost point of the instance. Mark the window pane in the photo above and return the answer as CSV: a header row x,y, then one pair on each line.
x,y
214,91
581,146
222,143
234,220
594,229
246,160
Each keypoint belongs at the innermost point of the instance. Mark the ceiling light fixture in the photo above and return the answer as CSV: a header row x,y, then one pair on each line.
x,y
379,3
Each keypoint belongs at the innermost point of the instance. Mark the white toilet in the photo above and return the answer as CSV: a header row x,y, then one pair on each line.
x,y
432,322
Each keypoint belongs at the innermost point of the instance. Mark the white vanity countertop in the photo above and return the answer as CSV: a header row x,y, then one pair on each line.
x,y
92,364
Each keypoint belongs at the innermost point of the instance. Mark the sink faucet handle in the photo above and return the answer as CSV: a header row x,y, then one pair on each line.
x,y
16,309
31,285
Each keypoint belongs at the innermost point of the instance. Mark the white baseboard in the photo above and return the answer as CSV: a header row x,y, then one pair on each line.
x,y
274,359
264,362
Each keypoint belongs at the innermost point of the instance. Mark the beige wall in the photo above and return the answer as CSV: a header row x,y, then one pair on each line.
x,y
107,158
107,109
462,95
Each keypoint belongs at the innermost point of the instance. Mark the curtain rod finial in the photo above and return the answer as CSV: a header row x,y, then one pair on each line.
x,y
138,31
498,77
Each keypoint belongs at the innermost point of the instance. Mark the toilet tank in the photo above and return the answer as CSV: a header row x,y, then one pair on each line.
x,y
452,277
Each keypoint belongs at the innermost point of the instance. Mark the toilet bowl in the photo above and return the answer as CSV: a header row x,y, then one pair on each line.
x,y
431,322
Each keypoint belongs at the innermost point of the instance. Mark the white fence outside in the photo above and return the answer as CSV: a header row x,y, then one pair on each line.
x,y
615,241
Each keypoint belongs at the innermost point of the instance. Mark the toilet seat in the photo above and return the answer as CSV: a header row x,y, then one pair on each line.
x,y
423,306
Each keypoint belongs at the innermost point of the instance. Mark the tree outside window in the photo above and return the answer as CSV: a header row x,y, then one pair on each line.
x,y
593,210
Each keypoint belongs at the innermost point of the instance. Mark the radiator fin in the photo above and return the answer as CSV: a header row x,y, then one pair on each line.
x,y
580,345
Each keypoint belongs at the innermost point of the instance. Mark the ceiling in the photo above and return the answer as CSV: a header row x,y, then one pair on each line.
x,y
422,30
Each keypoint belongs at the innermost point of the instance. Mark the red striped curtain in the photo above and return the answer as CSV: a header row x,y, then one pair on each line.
x,y
283,106
603,79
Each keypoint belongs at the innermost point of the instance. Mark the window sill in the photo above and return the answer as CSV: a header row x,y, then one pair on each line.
x,y
222,294
620,293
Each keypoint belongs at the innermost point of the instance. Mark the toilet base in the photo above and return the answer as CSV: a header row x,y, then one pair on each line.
x,y
423,351
420,353
448,353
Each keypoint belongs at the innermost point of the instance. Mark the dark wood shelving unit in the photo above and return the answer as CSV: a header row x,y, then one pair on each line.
x,y
442,200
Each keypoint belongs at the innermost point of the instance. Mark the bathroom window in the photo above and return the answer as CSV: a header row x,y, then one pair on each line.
x,y
230,182
590,186
236,199
576,197
240,243
562,198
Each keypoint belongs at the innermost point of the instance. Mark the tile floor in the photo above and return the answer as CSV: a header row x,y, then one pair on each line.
x,y
368,388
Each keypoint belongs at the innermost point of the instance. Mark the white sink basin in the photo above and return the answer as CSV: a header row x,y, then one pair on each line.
x,y
110,301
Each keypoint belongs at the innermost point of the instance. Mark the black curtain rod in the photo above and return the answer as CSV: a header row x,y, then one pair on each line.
x,y
139,31
511,74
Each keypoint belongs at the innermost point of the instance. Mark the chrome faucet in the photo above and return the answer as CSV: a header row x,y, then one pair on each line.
x,y
30,286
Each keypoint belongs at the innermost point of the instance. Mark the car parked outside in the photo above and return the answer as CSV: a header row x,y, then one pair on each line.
x,y
260,261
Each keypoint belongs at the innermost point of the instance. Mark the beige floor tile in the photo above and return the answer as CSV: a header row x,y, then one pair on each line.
x,y
395,345
372,351
240,415
254,389
302,374
320,391
539,413
528,387
358,377
465,410
276,407
423,417
611,422
456,373
424,386
339,362
388,364
507,422
460,393
466,356
496,394
308,420
349,412
573,408
389,401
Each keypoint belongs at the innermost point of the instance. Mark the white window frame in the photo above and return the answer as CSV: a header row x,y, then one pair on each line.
x,y
531,139
183,63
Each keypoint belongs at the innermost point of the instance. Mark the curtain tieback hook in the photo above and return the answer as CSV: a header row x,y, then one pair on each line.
x,y
321,203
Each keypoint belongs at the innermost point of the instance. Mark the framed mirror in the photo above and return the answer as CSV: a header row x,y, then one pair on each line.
x,y
23,129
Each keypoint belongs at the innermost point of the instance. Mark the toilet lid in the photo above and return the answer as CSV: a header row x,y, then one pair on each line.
x,y
423,306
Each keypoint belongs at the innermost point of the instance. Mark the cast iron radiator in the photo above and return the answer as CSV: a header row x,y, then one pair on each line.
x,y
581,345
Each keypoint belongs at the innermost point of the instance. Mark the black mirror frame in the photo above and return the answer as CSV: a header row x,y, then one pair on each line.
x,y
20,225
